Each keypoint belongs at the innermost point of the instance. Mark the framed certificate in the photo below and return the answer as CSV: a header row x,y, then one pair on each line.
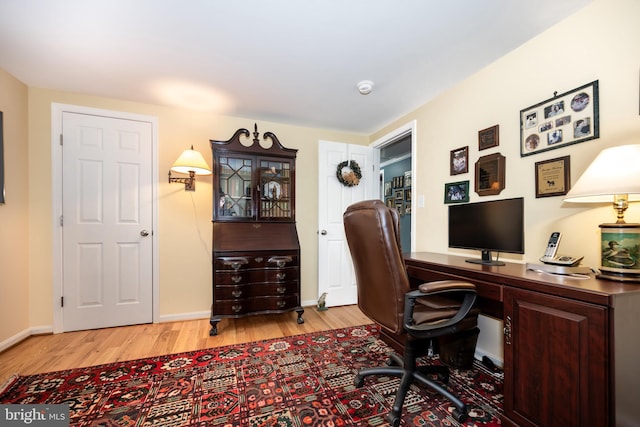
x,y
553,177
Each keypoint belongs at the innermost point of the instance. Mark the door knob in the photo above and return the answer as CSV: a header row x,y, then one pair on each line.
x,y
144,233
323,232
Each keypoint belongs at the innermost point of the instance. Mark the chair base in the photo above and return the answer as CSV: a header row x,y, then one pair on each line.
x,y
408,374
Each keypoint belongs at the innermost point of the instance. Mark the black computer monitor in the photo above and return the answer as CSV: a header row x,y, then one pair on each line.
x,y
493,226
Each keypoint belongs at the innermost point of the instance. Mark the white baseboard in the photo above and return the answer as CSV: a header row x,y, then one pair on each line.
x,y
23,335
184,316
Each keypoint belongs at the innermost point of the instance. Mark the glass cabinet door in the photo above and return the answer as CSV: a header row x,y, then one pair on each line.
x,y
234,190
276,188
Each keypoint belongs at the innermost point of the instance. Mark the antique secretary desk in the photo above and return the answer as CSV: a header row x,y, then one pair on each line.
x,y
256,253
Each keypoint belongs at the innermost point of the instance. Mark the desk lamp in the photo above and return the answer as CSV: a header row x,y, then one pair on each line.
x,y
190,162
614,176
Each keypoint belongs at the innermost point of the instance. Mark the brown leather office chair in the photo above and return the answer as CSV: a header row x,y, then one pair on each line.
x,y
384,295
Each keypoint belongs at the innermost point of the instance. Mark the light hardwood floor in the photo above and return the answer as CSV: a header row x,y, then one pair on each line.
x,y
53,352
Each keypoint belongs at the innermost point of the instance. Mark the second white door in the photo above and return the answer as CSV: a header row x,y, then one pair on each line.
x,y
335,269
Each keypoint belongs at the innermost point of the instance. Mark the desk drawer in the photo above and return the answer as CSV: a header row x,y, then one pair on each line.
x,y
490,291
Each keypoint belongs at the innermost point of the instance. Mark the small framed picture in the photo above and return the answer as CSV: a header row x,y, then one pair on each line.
x,y
553,177
407,179
459,161
400,207
387,188
407,195
391,203
398,194
456,192
489,137
490,170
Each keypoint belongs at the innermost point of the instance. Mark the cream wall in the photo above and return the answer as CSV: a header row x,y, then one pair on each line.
x,y
598,43
14,231
184,229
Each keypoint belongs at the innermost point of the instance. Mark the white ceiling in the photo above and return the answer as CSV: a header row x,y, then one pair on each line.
x,y
287,61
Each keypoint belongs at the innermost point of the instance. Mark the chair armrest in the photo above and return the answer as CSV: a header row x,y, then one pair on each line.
x,y
468,290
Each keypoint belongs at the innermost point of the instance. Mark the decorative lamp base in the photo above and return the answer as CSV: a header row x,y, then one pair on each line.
x,y
620,252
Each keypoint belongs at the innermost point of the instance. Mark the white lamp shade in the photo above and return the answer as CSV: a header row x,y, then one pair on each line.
x,y
191,160
616,170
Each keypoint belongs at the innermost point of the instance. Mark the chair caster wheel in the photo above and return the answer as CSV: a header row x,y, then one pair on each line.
x,y
460,417
359,381
394,420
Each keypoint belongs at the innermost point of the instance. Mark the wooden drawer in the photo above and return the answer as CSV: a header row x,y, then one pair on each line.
x,y
231,292
256,260
256,305
247,276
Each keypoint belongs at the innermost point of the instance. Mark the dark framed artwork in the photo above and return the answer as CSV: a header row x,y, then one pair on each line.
x,y
565,119
397,181
490,170
456,192
1,159
387,188
398,194
400,207
489,137
459,161
553,177
391,203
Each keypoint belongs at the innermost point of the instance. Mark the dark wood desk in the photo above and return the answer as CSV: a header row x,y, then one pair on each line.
x,y
571,346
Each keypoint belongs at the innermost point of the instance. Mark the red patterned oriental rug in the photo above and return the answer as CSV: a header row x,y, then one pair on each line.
x,y
304,380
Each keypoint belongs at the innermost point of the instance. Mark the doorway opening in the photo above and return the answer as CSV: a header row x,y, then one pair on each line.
x,y
397,177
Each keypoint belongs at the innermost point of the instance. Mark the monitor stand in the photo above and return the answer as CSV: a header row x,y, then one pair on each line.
x,y
485,260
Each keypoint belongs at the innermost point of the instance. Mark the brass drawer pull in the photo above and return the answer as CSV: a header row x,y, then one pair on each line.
x,y
236,279
281,289
282,304
280,261
236,308
281,276
234,262
236,293
258,259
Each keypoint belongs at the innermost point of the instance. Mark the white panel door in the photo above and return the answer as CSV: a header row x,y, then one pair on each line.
x,y
335,269
107,221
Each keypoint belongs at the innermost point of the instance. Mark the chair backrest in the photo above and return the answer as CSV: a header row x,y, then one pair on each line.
x,y
373,235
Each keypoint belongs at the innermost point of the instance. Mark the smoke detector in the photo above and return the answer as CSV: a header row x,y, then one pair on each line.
x,y
365,87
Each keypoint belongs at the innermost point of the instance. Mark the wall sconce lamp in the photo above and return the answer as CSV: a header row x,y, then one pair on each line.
x,y
190,162
614,176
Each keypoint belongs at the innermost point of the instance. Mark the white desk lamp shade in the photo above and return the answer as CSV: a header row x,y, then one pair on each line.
x,y
191,160
616,171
